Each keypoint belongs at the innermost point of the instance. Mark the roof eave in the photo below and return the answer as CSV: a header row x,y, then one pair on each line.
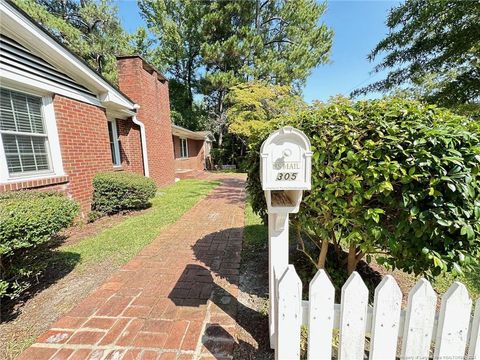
x,y
56,53
189,134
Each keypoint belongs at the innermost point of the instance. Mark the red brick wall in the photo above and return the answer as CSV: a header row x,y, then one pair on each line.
x,y
85,148
84,143
144,87
57,183
196,155
130,146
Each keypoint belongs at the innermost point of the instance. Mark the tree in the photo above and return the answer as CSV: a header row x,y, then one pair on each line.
x,y
434,45
288,41
177,29
186,112
252,105
275,41
89,28
58,26
142,43
210,46
390,177
225,53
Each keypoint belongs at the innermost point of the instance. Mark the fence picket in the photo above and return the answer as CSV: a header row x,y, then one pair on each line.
x,y
452,330
386,320
474,345
419,321
353,318
289,315
320,317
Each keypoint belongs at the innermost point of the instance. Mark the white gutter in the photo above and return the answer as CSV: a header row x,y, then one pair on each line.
x,y
144,142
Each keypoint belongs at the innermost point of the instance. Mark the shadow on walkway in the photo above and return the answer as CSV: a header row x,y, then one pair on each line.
x,y
217,280
229,193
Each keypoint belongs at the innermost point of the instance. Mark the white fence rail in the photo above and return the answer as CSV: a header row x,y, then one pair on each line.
x,y
451,334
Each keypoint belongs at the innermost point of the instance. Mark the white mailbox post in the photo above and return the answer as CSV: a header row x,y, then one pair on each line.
x,y
285,172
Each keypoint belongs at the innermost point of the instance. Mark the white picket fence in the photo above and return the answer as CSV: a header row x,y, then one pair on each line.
x,y
418,327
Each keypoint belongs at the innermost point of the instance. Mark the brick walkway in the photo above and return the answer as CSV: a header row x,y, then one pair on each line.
x,y
175,300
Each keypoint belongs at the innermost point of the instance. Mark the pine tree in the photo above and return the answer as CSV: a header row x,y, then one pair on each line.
x,y
433,47
89,28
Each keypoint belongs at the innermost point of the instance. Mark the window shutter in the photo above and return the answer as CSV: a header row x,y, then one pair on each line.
x,y
20,115
21,112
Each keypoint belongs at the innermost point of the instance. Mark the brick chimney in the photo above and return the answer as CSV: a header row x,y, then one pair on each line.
x,y
148,88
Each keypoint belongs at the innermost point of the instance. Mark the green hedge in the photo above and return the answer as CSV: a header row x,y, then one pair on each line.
x,y
114,192
28,220
395,178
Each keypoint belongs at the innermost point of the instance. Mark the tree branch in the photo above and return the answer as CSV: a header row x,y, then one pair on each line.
x,y
265,3
302,245
276,18
275,41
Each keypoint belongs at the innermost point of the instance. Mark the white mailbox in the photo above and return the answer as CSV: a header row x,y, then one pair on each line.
x,y
285,169
285,172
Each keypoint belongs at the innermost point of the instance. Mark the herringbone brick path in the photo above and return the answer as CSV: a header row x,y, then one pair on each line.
x,y
175,300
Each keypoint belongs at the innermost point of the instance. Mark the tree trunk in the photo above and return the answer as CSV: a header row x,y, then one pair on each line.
x,y
189,83
221,117
352,259
220,138
322,258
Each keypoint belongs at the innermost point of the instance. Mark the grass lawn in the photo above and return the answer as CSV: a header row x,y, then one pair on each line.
x,y
256,232
471,280
124,240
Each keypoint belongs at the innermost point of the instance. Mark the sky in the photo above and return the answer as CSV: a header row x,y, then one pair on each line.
x,y
358,26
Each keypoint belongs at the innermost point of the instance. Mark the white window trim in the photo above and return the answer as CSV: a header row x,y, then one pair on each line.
x,y
186,148
116,143
53,143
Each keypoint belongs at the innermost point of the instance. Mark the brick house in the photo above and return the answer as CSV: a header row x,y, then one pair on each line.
x,y
61,122
191,151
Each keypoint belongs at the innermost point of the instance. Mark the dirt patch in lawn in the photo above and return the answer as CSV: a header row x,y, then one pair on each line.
x,y
252,317
81,231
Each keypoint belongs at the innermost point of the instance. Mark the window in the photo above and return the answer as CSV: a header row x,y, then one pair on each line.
x,y
114,143
183,148
23,133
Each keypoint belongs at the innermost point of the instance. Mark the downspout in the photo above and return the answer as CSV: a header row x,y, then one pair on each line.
x,y
144,141
205,153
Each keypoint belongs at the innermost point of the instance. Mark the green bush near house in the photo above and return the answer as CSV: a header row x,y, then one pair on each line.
x,y
28,222
115,192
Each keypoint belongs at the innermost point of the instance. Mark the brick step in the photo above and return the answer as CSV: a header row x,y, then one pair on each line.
x,y
187,174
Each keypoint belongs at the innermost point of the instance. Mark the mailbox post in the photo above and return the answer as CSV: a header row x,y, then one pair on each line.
x,y
285,172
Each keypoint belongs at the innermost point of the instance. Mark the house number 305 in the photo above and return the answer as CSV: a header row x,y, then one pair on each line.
x,y
287,176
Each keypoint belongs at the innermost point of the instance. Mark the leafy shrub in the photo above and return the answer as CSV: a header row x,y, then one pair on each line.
x,y
391,177
114,192
217,156
28,220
